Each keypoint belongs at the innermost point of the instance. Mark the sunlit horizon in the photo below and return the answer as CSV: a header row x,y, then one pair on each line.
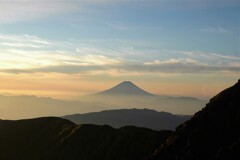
x,y
74,93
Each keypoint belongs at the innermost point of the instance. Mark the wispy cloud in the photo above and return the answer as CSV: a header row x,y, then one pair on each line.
x,y
172,61
23,39
170,68
19,55
19,45
202,56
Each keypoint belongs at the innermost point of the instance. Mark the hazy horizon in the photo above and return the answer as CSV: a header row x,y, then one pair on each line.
x,y
125,95
82,95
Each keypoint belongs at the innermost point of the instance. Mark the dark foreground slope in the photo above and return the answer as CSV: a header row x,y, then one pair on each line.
x,y
134,117
212,134
59,139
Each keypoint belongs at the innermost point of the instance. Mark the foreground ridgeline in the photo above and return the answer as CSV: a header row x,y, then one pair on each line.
x,y
212,134
59,139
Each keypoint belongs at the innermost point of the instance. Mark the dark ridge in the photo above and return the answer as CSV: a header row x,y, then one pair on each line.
x,y
212,134
135,117
52,138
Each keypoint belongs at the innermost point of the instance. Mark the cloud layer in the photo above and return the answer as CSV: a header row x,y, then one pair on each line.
x,y
31,54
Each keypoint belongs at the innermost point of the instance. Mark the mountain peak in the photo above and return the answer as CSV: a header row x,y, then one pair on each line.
x,y
125,88
126,83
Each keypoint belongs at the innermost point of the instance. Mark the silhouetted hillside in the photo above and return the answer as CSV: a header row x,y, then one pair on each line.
x,y
59,139
212,134
134,117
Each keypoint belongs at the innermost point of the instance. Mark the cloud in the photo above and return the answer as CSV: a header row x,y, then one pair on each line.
x,y
24,40
210,57
99,60
172,61
160,67
19,54
31,52
189,67
19,45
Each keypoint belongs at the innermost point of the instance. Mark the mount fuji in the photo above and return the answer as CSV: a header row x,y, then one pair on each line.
x,y
125,88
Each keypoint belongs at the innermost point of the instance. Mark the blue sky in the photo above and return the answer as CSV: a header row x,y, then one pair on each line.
x,y
141,40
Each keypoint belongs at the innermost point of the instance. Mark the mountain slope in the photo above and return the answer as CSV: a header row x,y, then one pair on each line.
x,y
123,89
59,139
134,117
212,134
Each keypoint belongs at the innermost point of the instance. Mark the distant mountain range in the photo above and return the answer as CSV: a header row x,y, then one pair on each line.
x,y
211,134
58,139
124,95
133,117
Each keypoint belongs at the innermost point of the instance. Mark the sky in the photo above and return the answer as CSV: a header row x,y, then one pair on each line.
x,y
68,48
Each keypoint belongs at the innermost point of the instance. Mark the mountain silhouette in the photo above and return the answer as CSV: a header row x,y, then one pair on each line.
x,y
212,134
125,88
52,138
131,117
